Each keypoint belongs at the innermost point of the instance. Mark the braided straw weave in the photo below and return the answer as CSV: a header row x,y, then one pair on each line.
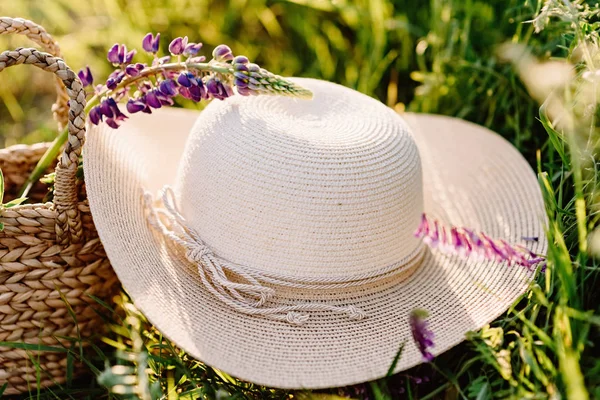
x,y
51,259
39,35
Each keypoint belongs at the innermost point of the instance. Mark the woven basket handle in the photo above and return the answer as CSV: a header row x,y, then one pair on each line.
x,y
39,35
68,219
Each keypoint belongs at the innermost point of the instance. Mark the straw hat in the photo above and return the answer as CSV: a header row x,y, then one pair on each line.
x,y
273,238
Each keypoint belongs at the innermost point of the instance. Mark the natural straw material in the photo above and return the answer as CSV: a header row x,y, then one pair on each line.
x,y
51,259
309,192
38,35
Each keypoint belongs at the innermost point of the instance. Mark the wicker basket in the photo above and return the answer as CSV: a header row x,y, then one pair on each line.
x,y
51,258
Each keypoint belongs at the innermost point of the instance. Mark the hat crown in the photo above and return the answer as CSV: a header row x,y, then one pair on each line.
x,y
328,187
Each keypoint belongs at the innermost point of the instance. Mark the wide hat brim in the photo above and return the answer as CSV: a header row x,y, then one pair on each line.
x,y
472,178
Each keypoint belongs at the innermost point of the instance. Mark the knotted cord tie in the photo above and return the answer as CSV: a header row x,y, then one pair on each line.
x,y
249,296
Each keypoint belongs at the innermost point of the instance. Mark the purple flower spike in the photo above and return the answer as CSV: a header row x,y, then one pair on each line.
x,y
466,242
222,53
168,87
421,334
152,100
95,115
134,106
85,76
192,49
178,45
150,43
113,54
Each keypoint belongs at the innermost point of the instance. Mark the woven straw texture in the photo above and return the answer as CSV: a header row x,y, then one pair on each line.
x,y
51,258
280,168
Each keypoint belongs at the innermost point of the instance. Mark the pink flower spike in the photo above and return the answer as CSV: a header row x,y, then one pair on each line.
x,y
466,242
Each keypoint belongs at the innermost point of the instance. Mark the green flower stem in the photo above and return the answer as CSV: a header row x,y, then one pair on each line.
x,y
53,151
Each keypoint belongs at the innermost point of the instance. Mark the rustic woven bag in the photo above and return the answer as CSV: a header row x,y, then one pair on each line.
x,y
51,259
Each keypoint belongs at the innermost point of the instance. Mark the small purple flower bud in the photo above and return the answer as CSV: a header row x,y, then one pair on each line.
x,y
105,109
134,106
129,56
132,70
222,53
240,68
244,91
192,49
196,59
240,83
85,76
95,115
168,87
253,67
150,43
241,60
178,45
162,60
216,89
152,100
185,79
111,83
185,92
119,116
164,99
112,123
422,336
113,54
122,52
197,93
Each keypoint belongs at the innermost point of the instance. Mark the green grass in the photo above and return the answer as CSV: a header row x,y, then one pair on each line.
x,y
436,56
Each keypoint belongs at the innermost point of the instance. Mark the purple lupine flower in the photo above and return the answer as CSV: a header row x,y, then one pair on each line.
x,y
85,76
192,49
129,56
216,89
132,70
150,43
118,54
168,87
113,54
118,115
421,334
199,59
222,53
105,109
163,98
135,105
243,60
177,46
152,100
114,79
466,242
95,115
112,123
185,79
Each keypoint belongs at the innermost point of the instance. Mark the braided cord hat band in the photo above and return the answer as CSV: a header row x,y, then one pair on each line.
x,y
471,177
246,291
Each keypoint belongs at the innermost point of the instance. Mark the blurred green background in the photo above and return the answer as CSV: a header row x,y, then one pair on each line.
x,y
430,56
